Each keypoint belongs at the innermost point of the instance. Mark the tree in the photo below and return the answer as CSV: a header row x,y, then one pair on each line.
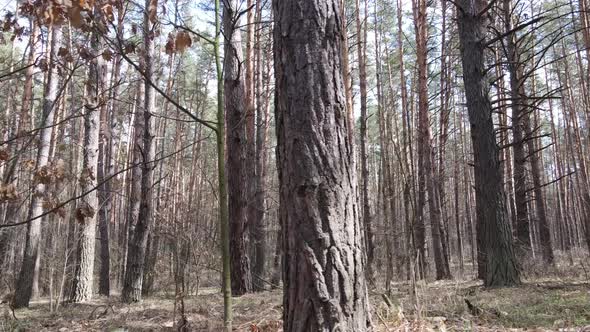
x,y
519,119
256,211
426,169
361,35
235,110
495,240
323,272
87,212
30,266
143,155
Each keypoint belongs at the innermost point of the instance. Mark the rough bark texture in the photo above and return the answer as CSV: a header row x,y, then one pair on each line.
x,y
235,108
25,281
87,211
323,271
142,200
492,223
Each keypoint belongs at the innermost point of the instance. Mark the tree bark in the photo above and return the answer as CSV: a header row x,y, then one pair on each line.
x,y
87,211
323,272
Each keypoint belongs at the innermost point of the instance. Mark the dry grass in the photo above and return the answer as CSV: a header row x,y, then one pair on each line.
x,y
558,303
543,305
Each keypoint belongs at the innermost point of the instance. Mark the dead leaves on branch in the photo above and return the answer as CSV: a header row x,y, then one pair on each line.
x,y
53,173
81,14
10,25
4,155
178,42
8,193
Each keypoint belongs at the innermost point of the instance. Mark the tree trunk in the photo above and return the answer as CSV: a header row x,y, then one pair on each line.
x,y
234,97
87,211
361,37
492,225
25,281
257,208
323,272
519,118
143,155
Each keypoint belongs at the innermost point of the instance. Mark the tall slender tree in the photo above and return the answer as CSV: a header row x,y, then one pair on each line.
x,y
87,212
235,110
143,155
30,265
361,37
495,240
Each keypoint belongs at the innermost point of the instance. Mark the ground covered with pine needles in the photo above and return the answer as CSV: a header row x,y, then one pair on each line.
x,y
547,301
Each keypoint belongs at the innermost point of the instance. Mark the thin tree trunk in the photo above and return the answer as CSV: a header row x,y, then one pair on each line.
x,y
143,155
363,157
25,281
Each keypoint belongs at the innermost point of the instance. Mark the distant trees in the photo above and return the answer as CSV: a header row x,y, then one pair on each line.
x,y
458,146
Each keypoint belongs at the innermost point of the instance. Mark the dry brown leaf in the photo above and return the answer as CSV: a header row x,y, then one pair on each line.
x,y
107,55
183,41
62,52
153,11
108,12
4,154
8,193
75,16
170,47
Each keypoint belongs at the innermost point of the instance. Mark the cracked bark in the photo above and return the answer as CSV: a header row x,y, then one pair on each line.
x,y
324,261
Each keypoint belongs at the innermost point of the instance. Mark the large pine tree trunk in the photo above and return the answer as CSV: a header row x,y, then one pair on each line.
x,y
87,211
235,108
141,196
492,225
324,263
25,281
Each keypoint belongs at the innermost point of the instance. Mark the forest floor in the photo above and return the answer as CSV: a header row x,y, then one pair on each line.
x,y
558,303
